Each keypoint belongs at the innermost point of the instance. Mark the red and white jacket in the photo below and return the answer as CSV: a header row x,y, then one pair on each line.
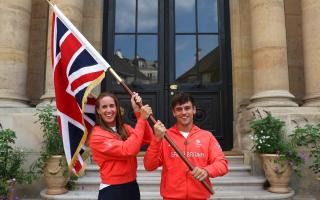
x,y
201,149
116,158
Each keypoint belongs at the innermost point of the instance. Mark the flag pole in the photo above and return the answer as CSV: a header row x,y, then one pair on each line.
x,y
50,3
169,140
102,61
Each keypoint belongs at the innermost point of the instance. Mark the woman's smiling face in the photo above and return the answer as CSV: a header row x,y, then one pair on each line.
x,y
108,110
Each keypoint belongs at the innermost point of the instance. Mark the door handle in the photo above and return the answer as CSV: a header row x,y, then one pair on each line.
x,y
173,87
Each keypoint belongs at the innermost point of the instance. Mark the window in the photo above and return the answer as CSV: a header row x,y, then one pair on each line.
x,y
136,40
197,54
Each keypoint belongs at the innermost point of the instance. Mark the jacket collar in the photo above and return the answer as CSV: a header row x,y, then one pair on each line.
x,y
193,130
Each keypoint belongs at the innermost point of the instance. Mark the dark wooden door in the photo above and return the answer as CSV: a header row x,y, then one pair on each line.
x,y
162,47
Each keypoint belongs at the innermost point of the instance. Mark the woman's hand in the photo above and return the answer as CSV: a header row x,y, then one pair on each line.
x,y
145,111
159,130
135,98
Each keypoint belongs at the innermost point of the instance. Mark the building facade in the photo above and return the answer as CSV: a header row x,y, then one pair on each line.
x,y
250,54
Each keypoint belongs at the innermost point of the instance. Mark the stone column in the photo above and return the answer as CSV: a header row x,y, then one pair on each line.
x,y
15,16
37,50
269,52
92,26
311,50
72,9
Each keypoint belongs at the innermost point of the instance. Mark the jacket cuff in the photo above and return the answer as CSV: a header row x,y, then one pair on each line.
x,y
209,170
155,142
138,114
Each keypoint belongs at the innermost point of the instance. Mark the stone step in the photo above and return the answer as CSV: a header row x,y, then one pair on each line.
x,y
238,184
153,183
234,170
219,195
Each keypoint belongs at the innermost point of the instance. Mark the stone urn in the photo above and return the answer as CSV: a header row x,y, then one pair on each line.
x,y
55,175
277,173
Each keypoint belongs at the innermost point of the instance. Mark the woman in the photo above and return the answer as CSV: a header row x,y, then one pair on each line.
x,y
114,147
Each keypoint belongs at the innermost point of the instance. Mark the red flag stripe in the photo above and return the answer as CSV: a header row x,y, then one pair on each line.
x,y
84,79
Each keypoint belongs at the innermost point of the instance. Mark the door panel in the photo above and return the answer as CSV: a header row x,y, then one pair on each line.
x,y
149,98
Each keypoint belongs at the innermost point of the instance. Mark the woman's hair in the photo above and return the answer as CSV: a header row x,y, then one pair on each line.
x,y
121,131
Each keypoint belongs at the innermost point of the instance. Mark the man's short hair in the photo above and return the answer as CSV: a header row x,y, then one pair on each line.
x,y
181,98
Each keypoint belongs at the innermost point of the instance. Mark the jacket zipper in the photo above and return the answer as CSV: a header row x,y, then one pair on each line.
x,y
185,151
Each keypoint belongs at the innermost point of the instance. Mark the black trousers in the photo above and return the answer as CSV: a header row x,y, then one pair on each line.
x,y
126,191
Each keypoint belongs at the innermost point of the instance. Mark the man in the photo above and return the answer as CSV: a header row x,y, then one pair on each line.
x,y
199,146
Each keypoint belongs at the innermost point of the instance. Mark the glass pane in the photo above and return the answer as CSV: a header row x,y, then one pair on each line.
x,y
124,46
147,59
123,56
206,44
209,58
185,58
148,16
207,16
185,16
125,16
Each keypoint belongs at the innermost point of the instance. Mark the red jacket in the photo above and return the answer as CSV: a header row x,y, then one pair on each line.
x,y
201,149
116,158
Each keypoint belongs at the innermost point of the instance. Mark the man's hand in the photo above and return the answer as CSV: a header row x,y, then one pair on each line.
x,y
159,130
199,174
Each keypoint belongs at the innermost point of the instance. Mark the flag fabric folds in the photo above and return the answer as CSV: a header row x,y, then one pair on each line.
x,y
77,69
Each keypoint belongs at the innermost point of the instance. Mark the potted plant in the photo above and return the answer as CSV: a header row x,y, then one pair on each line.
x,y
11,165
279,154
52,162
309,136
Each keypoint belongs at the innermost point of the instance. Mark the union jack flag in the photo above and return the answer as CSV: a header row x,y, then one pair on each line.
x,y
77,69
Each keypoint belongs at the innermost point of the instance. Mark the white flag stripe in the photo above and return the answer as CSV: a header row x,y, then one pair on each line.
x,y
65,139
88,119
54,57
57,59
81,87
83,71
74,122
65,35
